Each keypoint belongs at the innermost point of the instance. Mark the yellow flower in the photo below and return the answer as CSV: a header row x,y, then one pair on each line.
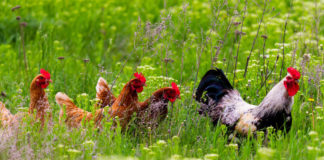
x,y
270,81
311,99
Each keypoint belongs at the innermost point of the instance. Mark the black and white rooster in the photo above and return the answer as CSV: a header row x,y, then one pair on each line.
x,y
224,104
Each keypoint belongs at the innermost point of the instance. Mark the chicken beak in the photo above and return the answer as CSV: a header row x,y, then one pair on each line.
x,y
179,97
50,81
297,81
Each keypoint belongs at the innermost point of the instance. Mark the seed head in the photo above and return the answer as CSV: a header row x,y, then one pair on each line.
x,y
23,24
60,58
264,36
15,8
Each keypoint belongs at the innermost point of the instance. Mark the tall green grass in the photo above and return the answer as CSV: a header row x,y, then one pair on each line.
x,y
78,41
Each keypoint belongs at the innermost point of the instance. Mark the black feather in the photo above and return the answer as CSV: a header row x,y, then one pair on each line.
x,y
214,84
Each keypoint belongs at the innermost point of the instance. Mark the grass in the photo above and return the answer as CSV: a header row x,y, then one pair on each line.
x,y
78,41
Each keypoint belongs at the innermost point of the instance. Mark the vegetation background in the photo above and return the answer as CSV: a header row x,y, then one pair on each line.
x,y
78,41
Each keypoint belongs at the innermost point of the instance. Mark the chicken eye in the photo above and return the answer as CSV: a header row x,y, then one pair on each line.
x,y
41,78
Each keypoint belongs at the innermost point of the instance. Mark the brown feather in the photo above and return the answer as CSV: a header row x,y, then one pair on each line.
x,y
105,96
75,115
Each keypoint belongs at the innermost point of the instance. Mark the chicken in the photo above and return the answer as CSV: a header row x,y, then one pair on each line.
x,y
155,109
75,115
38,101
223,104
8,119
104,95
38,98
127,102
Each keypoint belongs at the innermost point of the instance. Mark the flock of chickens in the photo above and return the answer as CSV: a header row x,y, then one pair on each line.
x,y
215,94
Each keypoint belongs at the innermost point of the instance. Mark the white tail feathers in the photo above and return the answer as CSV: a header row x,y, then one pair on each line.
x,y
102,86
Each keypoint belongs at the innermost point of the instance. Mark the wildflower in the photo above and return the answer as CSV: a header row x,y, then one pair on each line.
x,y
232,146
60,58
312,133
175,157
60,146
18,18
73,151
311,148
270,81
318,108
311,99
211,156
86,60
320,158
88,143
161,142
146,149
265,153
23,24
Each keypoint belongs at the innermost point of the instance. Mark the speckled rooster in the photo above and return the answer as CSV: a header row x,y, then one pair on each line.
x,y
225,105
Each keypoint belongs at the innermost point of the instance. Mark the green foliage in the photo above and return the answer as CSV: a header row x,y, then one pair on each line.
x,y
78,41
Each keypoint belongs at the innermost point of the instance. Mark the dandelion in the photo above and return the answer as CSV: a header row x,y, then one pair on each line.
x,y
270,81
311,99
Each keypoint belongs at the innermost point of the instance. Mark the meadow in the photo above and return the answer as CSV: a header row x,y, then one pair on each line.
x,y
78,41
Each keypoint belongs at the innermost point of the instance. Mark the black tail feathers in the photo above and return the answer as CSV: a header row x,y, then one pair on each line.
x,y
214,84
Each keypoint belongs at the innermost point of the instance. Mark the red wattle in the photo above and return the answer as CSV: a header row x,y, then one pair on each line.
x,y
140,89
292,88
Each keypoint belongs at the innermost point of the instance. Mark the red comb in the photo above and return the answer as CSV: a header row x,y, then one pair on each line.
x,y
46,74
140,77
294,73
175,87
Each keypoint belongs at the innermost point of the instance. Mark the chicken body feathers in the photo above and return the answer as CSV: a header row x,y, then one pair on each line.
x,y
223,104
75,115
104,94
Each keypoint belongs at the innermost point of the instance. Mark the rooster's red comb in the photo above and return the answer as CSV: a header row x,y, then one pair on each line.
x,y
175,87
140,76
293,72
46,74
